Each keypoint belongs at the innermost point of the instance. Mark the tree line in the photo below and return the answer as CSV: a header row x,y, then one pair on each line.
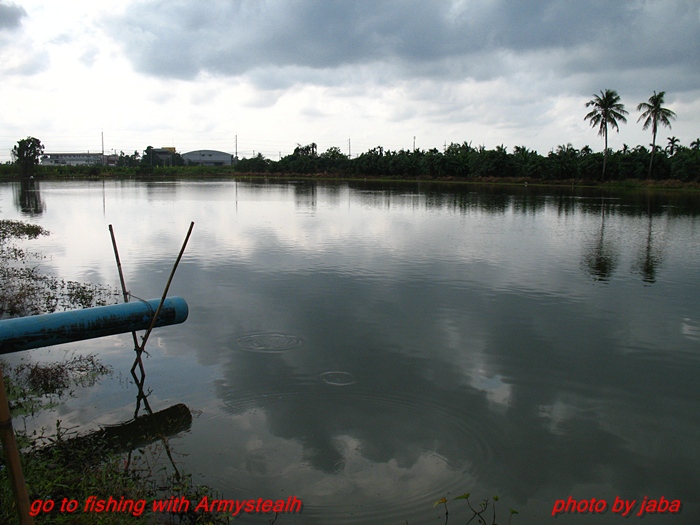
x,y
464,161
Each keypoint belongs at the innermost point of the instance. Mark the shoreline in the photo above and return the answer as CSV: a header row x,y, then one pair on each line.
x,y
198,173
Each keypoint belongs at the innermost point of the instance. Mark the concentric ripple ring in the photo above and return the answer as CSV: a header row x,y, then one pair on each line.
x,y
269,343
337,378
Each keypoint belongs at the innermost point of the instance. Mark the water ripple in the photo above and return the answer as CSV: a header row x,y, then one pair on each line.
x,y
269,343
337,378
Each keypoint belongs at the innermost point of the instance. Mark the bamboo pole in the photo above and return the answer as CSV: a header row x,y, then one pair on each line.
x,y
167,286
14,466
121,278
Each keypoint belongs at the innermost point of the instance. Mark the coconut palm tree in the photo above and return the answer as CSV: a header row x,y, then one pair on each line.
x,y
607,110
673,145
655,114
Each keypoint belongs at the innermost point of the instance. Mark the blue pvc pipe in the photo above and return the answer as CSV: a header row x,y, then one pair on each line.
x,y
35,331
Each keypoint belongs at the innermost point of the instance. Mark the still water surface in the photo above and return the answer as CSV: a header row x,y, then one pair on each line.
x,y
371,348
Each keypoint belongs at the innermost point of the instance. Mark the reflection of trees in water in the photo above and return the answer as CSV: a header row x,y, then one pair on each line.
x,y
650,257
498,199
601,258
28,197
305,195
529,204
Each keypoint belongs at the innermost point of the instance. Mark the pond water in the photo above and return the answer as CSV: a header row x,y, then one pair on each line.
x,y
370,348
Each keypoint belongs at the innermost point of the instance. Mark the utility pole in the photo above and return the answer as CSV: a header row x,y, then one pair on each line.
x,y
236,149
349,150
414,143
103,148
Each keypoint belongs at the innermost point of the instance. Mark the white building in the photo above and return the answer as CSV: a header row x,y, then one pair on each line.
x,y
72,159
208,157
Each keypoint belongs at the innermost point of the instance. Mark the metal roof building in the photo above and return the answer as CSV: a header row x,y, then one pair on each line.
x,y
208,157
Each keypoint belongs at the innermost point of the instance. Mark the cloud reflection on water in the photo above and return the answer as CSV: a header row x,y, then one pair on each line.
x,y
486,353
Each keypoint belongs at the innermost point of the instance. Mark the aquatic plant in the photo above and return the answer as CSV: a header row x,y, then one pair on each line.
x,y
480,512
26,290
35,386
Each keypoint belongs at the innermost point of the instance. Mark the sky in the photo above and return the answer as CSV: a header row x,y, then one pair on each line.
x,y
261,76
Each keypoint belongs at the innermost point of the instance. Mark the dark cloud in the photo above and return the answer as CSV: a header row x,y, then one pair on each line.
x,y
181,39
19,55
11,15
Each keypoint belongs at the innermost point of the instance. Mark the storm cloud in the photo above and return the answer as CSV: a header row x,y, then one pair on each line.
x,y
276,73
10,16
450,39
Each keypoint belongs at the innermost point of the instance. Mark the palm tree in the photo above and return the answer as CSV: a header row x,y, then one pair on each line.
x,y
607,110
672,145
655,114
695,144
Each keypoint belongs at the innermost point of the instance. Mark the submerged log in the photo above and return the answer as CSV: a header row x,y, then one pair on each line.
x,y
123,437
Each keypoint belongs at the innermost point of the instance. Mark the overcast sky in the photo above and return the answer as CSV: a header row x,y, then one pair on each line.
x,y
347,73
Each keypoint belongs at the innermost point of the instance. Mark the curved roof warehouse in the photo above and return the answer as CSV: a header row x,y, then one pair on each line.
x,y
208,157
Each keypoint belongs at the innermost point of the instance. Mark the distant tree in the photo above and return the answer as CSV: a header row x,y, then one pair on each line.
x,y
306,151
178,160
305,159
685,164
129,161
563,163
695,144
527,163
150,159
257,164
457,158
672,145
655,114
333,159
607,110
26,155
333,153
